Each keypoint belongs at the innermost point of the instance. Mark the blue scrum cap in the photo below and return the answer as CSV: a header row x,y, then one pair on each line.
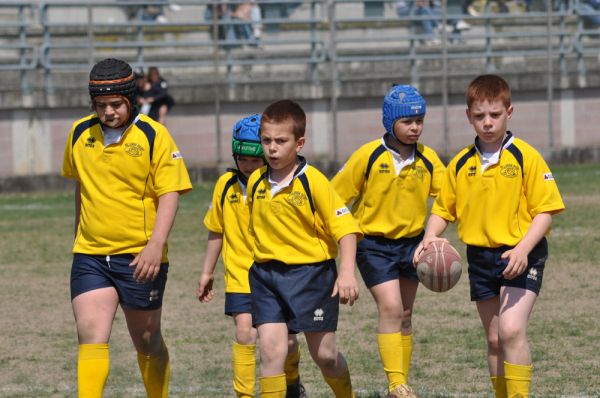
x,y
246,137
399,102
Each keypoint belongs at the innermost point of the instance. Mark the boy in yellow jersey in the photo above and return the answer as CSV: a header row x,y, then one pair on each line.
x,y
297,221
388,181
227,222
503,196
129,176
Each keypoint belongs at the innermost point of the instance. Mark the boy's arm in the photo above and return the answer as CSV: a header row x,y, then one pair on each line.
x,y
147,262
436,226
346,284
205,291
517,256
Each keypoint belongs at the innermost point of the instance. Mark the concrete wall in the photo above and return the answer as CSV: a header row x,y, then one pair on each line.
x,y
32,140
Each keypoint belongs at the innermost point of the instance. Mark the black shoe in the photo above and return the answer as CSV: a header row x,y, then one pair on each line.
x,y
295,390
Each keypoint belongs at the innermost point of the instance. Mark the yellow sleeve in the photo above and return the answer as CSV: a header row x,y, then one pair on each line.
x,y
337,218
541,190
349,180
445,202
168,167
68,167
213,219
437,177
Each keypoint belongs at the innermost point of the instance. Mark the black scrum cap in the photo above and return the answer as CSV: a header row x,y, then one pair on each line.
x,y
113,77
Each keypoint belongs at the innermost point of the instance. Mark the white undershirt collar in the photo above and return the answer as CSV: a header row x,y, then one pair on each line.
x,y
399,163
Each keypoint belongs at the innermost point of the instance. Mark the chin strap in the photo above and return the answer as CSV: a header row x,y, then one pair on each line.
x,y
391,140
241,177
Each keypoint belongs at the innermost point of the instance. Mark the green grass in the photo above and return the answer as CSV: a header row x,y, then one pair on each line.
x,y
39,343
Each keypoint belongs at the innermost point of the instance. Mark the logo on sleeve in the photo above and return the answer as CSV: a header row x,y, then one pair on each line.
x,y
548,177
472,171
176,155
342,211
89,143
261,193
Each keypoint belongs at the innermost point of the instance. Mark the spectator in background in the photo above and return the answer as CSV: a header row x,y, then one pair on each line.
x,y
150,12
592,9
156,95
247,12
422,8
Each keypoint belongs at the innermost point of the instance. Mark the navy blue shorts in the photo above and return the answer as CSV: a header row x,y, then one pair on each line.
x,y
96,272
486,267
238,303
299,295
381,259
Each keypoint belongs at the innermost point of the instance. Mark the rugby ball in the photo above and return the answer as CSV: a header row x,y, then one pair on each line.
x,y
439,267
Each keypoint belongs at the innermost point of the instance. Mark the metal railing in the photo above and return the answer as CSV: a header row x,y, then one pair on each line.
x,y
323,41
327,35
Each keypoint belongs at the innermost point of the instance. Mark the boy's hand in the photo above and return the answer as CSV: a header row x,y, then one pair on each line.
x,y
147,262
205,291
424,245
347,288
517,262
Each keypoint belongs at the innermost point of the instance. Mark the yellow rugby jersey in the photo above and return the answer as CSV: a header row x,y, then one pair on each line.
x,y
496,207
229,215
386,203
300,224
121,183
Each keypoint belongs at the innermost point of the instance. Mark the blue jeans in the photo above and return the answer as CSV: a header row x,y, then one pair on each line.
x,y
427,25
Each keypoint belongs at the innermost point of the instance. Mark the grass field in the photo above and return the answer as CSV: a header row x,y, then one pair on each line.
x,y
38,343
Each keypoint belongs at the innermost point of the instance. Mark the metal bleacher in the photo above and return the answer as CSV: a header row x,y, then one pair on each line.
x,y
45,44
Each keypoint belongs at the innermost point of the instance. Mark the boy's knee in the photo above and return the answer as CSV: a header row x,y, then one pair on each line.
x,y
148,342
406,322
293,345
390,311
245,335
326,362
510,334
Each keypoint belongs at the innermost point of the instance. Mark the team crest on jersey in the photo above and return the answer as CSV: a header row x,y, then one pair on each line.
x,y
133,149
90,142
509,170
384,168
296,198
472,171
261,193
548,177
176,155
419,172
233,198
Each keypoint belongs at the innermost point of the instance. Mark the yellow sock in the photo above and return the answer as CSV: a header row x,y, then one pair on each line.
x,y
272,386
341,386
244,368
155,372
406,354
499,384
518,378
292,371
93,365
391,352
